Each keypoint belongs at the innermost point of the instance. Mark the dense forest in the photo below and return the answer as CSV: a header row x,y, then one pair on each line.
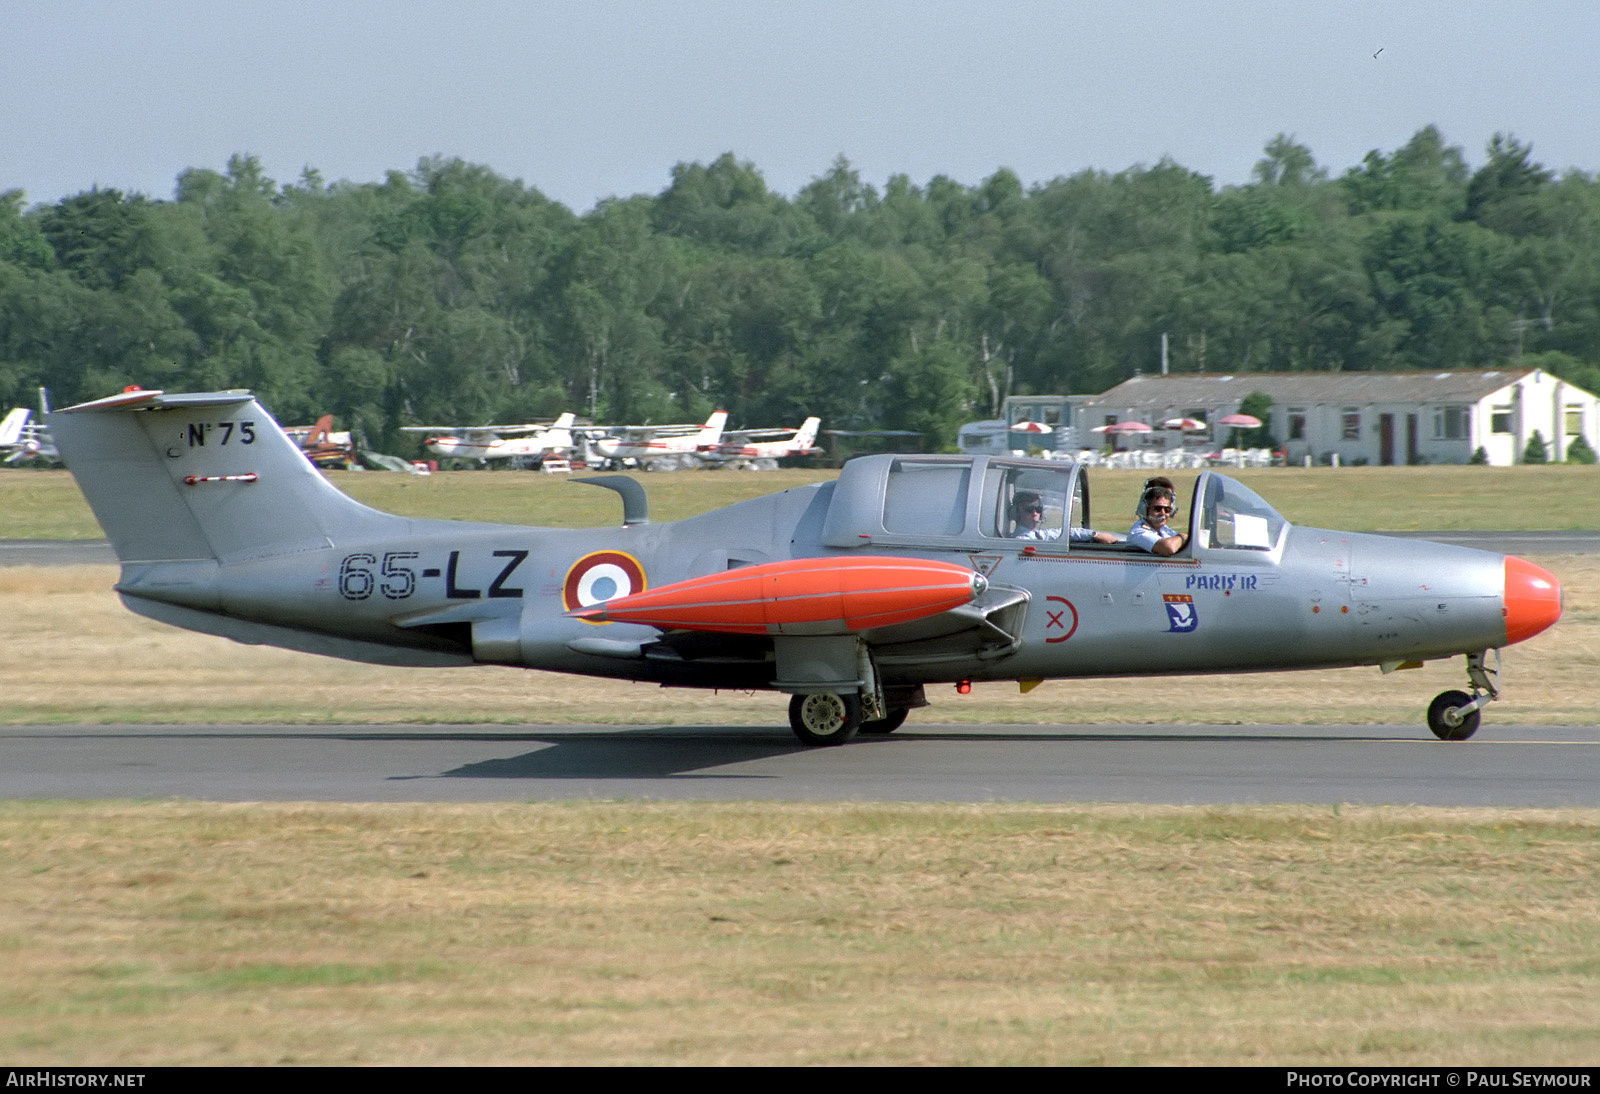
x,y
453,295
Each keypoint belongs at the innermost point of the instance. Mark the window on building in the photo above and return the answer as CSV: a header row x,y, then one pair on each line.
x,y
1452,423
1352,423
1500,420
1297,423
1574,422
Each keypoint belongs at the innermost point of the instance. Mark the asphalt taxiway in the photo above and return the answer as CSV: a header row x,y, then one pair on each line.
x,y
1515,766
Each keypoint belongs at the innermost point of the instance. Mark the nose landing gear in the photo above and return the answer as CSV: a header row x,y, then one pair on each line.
x,y
1454,715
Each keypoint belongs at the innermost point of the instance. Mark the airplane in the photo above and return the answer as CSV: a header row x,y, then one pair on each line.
x,y
22,439
655,447
751,451
521,444
852,596
323,446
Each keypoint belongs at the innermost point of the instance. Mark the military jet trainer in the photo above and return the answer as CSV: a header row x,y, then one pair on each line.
x,y
850,596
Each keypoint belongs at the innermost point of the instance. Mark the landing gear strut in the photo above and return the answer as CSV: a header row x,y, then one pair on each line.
x,y
1454,715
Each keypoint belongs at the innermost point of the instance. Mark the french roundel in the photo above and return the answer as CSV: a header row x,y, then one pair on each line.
x,y
601,576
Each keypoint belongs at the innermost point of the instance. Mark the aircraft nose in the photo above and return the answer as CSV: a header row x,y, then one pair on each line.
x,y
1532,599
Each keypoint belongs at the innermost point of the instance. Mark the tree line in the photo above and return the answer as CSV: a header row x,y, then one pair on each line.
x,y
450,294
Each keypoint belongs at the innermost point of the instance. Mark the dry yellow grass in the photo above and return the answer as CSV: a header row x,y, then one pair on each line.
x,y
632,933
76,655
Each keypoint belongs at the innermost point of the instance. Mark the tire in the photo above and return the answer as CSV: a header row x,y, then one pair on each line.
x,y
1445,702
887,724
825,718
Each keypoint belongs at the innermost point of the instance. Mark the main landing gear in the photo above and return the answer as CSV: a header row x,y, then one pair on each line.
x,y
1454,715
824,717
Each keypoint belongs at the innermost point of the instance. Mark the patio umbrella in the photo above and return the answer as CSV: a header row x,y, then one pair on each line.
x,y
1188,425
1031,427
1242,421
1123,427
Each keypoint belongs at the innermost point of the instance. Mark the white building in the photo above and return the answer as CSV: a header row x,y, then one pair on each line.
x,y
1374,417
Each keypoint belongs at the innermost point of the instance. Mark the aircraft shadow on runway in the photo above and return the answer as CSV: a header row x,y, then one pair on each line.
x,y
689,752
698,752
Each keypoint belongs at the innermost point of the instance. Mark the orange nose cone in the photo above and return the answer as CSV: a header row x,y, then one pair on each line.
x,y
1532,599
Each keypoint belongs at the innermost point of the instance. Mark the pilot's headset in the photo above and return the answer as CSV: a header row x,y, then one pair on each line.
x,y
1158,487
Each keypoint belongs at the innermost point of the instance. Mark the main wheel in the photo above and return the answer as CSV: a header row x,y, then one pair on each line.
x,y
888,723
1446,721
825,718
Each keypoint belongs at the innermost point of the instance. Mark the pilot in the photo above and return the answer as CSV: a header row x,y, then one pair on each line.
x,y
1150,531
1027,509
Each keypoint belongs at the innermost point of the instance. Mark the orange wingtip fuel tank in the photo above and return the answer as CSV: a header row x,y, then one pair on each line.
x,y
803,596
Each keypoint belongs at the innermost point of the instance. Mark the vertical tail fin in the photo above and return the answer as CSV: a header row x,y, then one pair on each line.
x,y
807,436
710,434
11,425
559,436
203,476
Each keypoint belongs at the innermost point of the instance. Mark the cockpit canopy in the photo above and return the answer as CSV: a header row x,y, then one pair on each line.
x,y
979,502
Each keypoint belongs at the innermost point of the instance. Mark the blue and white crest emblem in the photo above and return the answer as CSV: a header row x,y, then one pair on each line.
x,y
1181,616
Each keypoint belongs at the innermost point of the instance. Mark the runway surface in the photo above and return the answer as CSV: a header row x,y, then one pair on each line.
x,y
1199,764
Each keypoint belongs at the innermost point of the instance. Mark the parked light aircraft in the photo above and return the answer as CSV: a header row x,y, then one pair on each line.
x,y
24,439
750,447
655,447
498,442
852,596
324,446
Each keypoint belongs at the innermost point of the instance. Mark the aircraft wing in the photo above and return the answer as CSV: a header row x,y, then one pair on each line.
x,y
480,430
759,434
648,430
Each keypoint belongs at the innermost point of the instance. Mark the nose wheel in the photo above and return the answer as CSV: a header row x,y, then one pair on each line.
x,y
1454,715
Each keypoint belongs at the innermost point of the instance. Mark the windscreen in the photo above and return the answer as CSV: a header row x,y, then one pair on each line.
x,y
1234,516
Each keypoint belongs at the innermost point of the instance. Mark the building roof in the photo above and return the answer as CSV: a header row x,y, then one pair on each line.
x,y
1222,389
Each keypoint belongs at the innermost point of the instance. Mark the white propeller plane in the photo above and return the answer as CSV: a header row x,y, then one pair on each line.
x,y
527,443
751,448
656,447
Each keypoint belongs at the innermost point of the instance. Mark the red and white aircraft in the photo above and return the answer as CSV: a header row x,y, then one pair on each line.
x,y
656,447
764,455
530,443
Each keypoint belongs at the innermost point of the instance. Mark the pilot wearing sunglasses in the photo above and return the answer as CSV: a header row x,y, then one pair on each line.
x,y
1027,510
1156,506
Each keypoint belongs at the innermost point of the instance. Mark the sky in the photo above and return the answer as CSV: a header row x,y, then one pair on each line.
x,y
591,99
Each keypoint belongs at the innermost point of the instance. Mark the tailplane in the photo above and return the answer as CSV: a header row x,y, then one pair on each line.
x,y
201,476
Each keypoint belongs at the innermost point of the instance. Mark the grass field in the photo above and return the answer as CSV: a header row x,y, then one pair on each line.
x,y
635,933
47,504
693,933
